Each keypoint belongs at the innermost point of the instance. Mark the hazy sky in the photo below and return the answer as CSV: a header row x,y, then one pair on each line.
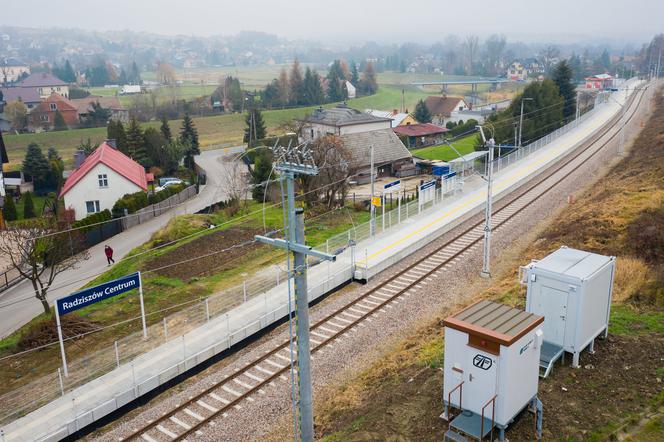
x,y
353,21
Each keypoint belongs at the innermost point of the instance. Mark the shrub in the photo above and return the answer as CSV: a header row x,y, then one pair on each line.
x,y
93,219
133,202
28,206
9,209
646,235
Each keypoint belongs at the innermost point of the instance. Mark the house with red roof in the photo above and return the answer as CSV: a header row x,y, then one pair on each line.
x,y
43,115
422,134
101,179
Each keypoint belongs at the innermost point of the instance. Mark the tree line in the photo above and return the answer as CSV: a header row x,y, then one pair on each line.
x,y
154,149
294,88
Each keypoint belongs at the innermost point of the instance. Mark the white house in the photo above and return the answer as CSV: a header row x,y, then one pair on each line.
x,y
102,179
352,91
340,120
517,71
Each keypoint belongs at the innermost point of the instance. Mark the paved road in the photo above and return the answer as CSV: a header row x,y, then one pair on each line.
x,y
18,305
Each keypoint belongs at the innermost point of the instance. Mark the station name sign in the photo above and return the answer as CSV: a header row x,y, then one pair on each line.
x,y
97,293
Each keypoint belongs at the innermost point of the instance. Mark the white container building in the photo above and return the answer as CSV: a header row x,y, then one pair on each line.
x,y
572,290
492,354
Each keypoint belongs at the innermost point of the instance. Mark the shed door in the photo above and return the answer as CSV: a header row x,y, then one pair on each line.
x,y
480,385
554,307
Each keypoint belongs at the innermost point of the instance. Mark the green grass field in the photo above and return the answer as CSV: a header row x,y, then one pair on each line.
x,y
443,152
227,129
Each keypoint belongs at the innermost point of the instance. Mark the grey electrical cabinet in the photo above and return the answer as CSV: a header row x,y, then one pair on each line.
x,y
572,290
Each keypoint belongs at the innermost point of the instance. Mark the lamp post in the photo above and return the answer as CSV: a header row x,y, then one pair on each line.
x,y
486,271
521,118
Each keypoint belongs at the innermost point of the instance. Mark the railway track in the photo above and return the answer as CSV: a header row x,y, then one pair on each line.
x,y
199,413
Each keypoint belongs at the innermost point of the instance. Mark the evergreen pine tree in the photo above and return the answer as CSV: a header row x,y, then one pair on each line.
x,y
9,209
189,138
59,122
296,85
28,206
154,145
115,131
134,75
563,77
261,173
165,128
313,90
422,113
354,74
136,142
255,129
36,166
336,82
122,79
57,167
68,74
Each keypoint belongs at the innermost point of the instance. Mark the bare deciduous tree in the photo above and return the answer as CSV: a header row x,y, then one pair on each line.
x,y
471,46
235,182
39,253
335,166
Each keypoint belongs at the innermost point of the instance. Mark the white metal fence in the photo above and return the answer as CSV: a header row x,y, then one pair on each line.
x,y
29,397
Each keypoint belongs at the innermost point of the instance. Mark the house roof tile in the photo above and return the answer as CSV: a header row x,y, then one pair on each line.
x,y
442,105
341,115
387,147
41,79
84,105
420,130
114,159
24,94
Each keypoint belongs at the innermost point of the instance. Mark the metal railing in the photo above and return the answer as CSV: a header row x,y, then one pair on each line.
x,y
8,278
154,210
449,400
493,417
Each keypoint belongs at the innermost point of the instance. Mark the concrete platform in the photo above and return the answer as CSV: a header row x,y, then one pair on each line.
x,y
96,399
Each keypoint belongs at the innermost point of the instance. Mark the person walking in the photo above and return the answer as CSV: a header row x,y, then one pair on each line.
x,y
109,255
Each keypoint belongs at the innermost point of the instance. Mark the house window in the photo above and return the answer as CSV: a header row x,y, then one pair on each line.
x,y
92,206
43,117
58,88
53,106
103,180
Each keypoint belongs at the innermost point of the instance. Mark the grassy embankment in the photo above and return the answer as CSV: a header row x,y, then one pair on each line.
x,y
618,389
166,285
225,129
443,152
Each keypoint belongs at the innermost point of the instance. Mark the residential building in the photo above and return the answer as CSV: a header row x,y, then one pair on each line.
x,y
351,90
600,81
422,134
340,120
359,132
4,159
5,123
117,111
517,71
43,116
442,108
102,179
398,118
11,70
28,96
46,84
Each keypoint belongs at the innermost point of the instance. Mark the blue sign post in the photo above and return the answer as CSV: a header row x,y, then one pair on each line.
x,y
91,295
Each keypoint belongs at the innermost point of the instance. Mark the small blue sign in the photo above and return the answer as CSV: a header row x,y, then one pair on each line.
x,y
427,185
392,186
97,293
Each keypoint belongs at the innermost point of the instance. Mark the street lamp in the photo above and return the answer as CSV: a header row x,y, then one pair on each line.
x,y
486,272
521,118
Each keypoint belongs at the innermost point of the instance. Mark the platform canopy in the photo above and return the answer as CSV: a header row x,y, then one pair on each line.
x,y
467,162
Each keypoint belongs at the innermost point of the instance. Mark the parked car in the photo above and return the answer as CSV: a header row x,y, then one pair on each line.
x,y
165,180
167,184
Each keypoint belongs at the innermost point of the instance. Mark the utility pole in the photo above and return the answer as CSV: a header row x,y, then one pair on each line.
x,y
578,109
299,161
486,271
372,222
521,119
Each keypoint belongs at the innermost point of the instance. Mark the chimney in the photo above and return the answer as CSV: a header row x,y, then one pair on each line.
x,y
111,142
79,157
